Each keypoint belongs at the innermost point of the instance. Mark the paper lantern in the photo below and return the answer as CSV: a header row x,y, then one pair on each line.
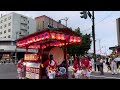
x,y
36,39
67,38
39,37
17,44
53,35
42,37
47,35
75,39
78,39
62,36
58,37
71,38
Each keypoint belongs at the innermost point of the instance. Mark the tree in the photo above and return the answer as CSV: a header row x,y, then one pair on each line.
x,y
80,49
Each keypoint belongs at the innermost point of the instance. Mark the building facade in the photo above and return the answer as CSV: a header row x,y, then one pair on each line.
x,y
116,49
44,21
12,27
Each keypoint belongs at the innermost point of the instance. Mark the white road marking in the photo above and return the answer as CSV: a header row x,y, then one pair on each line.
x,y
105,77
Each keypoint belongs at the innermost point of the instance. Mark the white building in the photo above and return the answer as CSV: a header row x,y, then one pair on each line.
x,y
12,27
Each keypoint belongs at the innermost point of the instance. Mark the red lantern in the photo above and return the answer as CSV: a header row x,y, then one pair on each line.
x,y
53,35
39,37
58,36
63,44
62,36
75,39
47,35
67,37
78,39
17,44
35,38
43,37
71,38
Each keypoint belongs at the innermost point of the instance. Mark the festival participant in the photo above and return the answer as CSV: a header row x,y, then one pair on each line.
x,y
20,68
86,67
76,68
51,67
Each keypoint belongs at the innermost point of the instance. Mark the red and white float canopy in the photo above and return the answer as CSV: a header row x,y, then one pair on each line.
x,y
49,37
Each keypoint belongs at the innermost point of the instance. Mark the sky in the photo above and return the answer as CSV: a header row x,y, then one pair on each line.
x,y
105,25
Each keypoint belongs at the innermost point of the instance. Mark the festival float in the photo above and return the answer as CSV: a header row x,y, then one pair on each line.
x,y
48,41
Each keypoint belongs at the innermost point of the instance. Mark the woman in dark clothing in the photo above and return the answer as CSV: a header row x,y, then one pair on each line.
x,y
98,64
108,64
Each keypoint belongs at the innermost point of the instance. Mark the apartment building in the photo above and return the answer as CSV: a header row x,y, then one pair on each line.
x,y
44,21
12,27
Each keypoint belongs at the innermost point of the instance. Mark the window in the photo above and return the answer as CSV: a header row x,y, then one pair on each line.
x,y
9,30
1,27
5,31
28,27
8,36
1,21
9,17
28,22
4,36
5,19
5,25
9,24
0,33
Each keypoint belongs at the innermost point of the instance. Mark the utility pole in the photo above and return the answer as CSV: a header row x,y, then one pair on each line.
x,y
16,49
105,51
99,46
84,15
66,19
93,34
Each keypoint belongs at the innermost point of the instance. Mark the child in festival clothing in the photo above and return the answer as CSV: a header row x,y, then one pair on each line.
x,y
20,68
77,68
51,66
86,68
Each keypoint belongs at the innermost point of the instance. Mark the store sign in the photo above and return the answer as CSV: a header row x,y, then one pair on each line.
x,y
31,57
32,70
6,56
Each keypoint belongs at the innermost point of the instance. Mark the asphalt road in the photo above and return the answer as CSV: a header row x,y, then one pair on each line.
x,y
8,71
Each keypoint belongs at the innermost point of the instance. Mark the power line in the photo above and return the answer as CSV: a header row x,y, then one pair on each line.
x,y
100,20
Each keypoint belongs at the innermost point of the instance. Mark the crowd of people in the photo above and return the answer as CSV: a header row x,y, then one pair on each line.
x,y
82,66
113,64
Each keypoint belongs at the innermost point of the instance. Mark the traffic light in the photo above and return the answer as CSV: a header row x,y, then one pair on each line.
x,y
84,14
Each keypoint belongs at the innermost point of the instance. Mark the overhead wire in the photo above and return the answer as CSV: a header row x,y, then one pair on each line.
x,y
100,21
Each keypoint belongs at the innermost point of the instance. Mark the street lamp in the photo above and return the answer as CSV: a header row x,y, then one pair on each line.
x,y
99,45
65,19
16,48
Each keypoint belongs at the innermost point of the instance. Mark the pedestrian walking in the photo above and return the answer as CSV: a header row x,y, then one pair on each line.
x,y
101,66
113,66
98,64
108,64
